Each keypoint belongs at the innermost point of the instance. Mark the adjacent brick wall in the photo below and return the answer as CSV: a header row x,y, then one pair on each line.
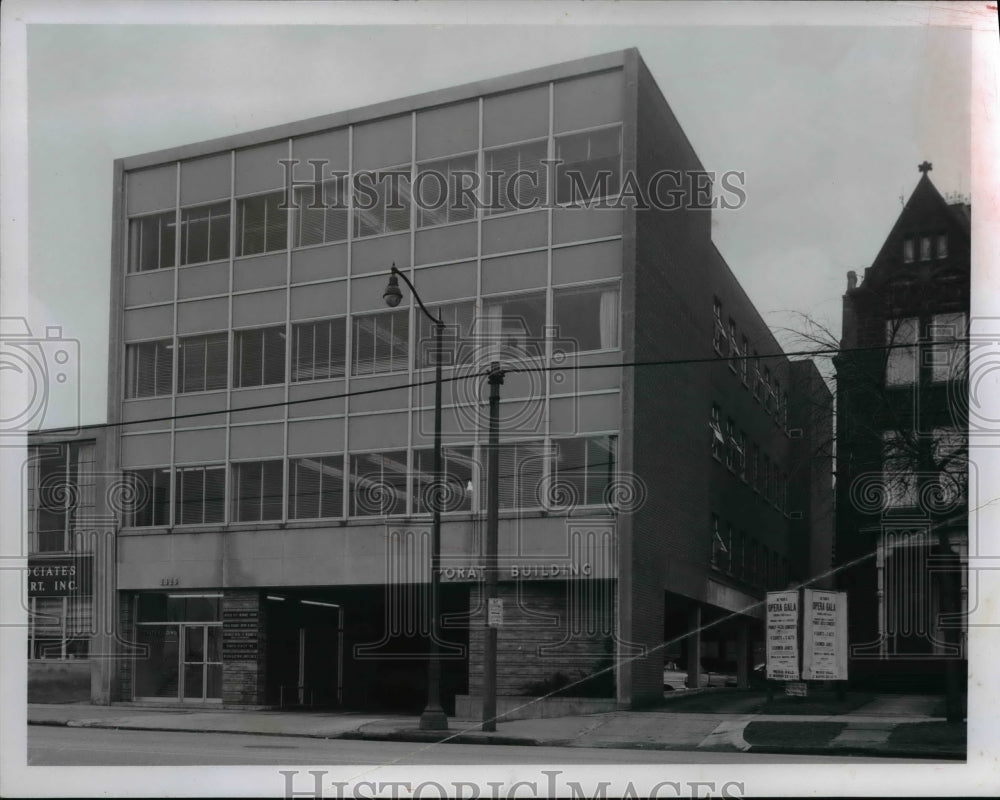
x,y
539,637
126,661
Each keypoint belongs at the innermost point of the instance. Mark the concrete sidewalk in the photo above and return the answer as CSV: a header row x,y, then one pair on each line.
x,y
868,731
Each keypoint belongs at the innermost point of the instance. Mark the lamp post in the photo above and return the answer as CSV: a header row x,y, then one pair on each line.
x,y
433,717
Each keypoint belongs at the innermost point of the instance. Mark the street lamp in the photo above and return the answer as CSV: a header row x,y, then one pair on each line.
x,y
433,717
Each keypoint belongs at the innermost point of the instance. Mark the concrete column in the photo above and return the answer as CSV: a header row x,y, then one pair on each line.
x,y
742,656
694,646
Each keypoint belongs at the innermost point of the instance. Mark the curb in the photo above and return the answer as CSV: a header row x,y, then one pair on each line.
x,y
880,752
126,727
432,737
391,736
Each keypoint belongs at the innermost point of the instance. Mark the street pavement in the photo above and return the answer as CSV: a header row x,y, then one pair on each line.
x,y
866,731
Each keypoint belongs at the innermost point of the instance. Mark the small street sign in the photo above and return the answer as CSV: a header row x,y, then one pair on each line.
x,y
494,612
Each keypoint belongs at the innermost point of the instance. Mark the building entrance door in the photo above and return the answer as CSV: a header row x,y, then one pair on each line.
x,y
180,655
202,666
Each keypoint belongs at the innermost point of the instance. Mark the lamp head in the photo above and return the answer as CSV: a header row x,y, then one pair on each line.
x,y
392,295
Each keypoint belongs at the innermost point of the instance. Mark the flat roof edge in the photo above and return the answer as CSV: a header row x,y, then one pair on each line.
x,y
386,108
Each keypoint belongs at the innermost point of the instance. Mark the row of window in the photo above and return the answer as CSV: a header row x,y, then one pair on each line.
x,y
938,244
388,483
745,558
377,202
729,446
759,381
584,319
61,494
944,348
60,627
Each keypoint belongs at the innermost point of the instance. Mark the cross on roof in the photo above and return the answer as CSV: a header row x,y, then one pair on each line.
x,y
926,167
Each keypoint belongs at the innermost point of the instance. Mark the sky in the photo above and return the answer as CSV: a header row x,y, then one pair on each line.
x,y
828,122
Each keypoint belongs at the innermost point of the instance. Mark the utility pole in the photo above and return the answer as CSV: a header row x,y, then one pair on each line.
x,y
489,723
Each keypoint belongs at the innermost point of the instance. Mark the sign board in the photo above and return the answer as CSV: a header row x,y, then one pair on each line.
x,y
797,689
494,612
783,636
61,576
240,634
824,635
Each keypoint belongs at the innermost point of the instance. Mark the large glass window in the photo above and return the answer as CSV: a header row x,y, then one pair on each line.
x,y
149,368
456,338
205,233
715,431
522,467
150,504
60,627
443,191
745,362
382,201
899,470
586,318
901,358
200,495
720,549
321,219
377,484
583,469
257,491
951,461
261,223
516,324
258,356
203,362
316,487
948,355
457,467
591,165
381,343
319,350
718,331
60,491
515,177
151,241
941,246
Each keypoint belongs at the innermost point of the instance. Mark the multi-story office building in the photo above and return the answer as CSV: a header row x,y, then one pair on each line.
x,y
902,451
278,416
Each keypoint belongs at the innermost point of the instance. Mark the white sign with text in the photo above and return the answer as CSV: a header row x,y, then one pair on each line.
x,y
783,636
824,635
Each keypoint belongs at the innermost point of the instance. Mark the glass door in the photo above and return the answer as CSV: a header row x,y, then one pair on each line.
x,y
156,674
202,666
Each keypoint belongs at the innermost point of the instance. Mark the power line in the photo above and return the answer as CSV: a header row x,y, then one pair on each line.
x,y
485,372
